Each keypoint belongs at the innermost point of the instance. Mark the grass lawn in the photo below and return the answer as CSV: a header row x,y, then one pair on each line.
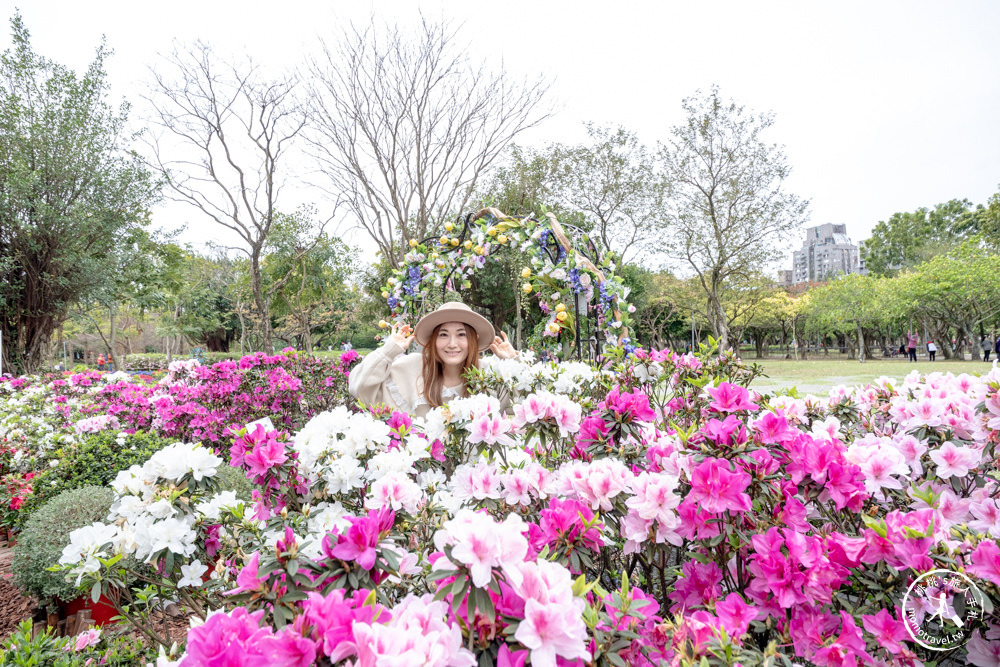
x,y
817,375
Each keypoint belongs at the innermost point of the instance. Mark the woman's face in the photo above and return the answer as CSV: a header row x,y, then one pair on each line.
x,y
452,344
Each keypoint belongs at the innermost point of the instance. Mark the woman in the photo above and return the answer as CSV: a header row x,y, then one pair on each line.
x,y
931,349
452,338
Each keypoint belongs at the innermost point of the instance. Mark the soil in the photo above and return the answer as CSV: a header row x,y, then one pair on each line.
x,y
14,607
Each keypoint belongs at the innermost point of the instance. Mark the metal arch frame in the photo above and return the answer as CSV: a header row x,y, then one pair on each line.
x,y
554,251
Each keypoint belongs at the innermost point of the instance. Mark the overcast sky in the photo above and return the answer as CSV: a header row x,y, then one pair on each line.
x,y
881,106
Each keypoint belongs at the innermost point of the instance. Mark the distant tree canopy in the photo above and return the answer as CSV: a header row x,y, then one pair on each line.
x,y
908,239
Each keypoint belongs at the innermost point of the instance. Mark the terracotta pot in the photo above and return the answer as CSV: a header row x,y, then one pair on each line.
x,y
11,538
102,612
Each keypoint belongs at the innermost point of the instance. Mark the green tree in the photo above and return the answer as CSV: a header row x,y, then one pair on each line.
x,y
70,191
908,239
306,278
136,286
989,221
725,211
852,305
199,300
959,290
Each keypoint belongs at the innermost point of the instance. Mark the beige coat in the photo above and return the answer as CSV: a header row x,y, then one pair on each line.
x,y
394,379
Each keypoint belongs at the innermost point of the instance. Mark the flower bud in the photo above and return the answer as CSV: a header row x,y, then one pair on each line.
x,y
526,287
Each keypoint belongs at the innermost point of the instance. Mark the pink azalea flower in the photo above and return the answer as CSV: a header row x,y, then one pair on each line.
x,y
985,561
332,616
954,461
84,639
730,398
289,649
985,652
773,428
887,630
698,585
716,488
508,658
547,632
728,433
490,429
247,580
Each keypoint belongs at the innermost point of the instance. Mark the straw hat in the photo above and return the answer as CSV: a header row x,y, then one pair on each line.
x,y
454,311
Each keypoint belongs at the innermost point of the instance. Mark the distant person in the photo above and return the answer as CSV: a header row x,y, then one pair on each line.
x,y
100,361
911,345
931,349
987,347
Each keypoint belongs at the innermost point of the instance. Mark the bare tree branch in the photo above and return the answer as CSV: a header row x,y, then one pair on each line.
x,y
403,127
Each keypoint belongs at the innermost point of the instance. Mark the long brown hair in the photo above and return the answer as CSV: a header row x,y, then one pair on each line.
x,y
434,370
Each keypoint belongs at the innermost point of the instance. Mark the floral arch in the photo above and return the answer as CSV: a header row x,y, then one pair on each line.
x,y
574,286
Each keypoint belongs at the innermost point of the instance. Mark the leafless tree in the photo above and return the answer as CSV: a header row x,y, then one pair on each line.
x,y
226,130
403,126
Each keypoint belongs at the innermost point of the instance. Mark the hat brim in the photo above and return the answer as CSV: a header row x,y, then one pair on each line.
x,y
425,327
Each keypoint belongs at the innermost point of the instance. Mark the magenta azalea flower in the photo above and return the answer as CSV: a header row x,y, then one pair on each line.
x,y
730,398
227,640
359,542
716,488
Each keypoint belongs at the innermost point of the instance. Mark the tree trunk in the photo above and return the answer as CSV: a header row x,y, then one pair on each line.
x,y
517,310
112,335
861,344
307,344
795,337
943,341
260,302
719,324
966,332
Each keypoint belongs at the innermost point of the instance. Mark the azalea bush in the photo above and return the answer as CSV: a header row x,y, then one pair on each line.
x,y
41,543
53,420
653,511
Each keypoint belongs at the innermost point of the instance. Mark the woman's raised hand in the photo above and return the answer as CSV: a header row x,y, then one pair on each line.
x,y
502,347
402,335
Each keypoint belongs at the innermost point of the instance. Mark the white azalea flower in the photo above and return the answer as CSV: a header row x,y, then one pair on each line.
x,y
191,574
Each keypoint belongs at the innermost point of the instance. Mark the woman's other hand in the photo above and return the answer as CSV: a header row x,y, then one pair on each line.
x,y
502,347
402,335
